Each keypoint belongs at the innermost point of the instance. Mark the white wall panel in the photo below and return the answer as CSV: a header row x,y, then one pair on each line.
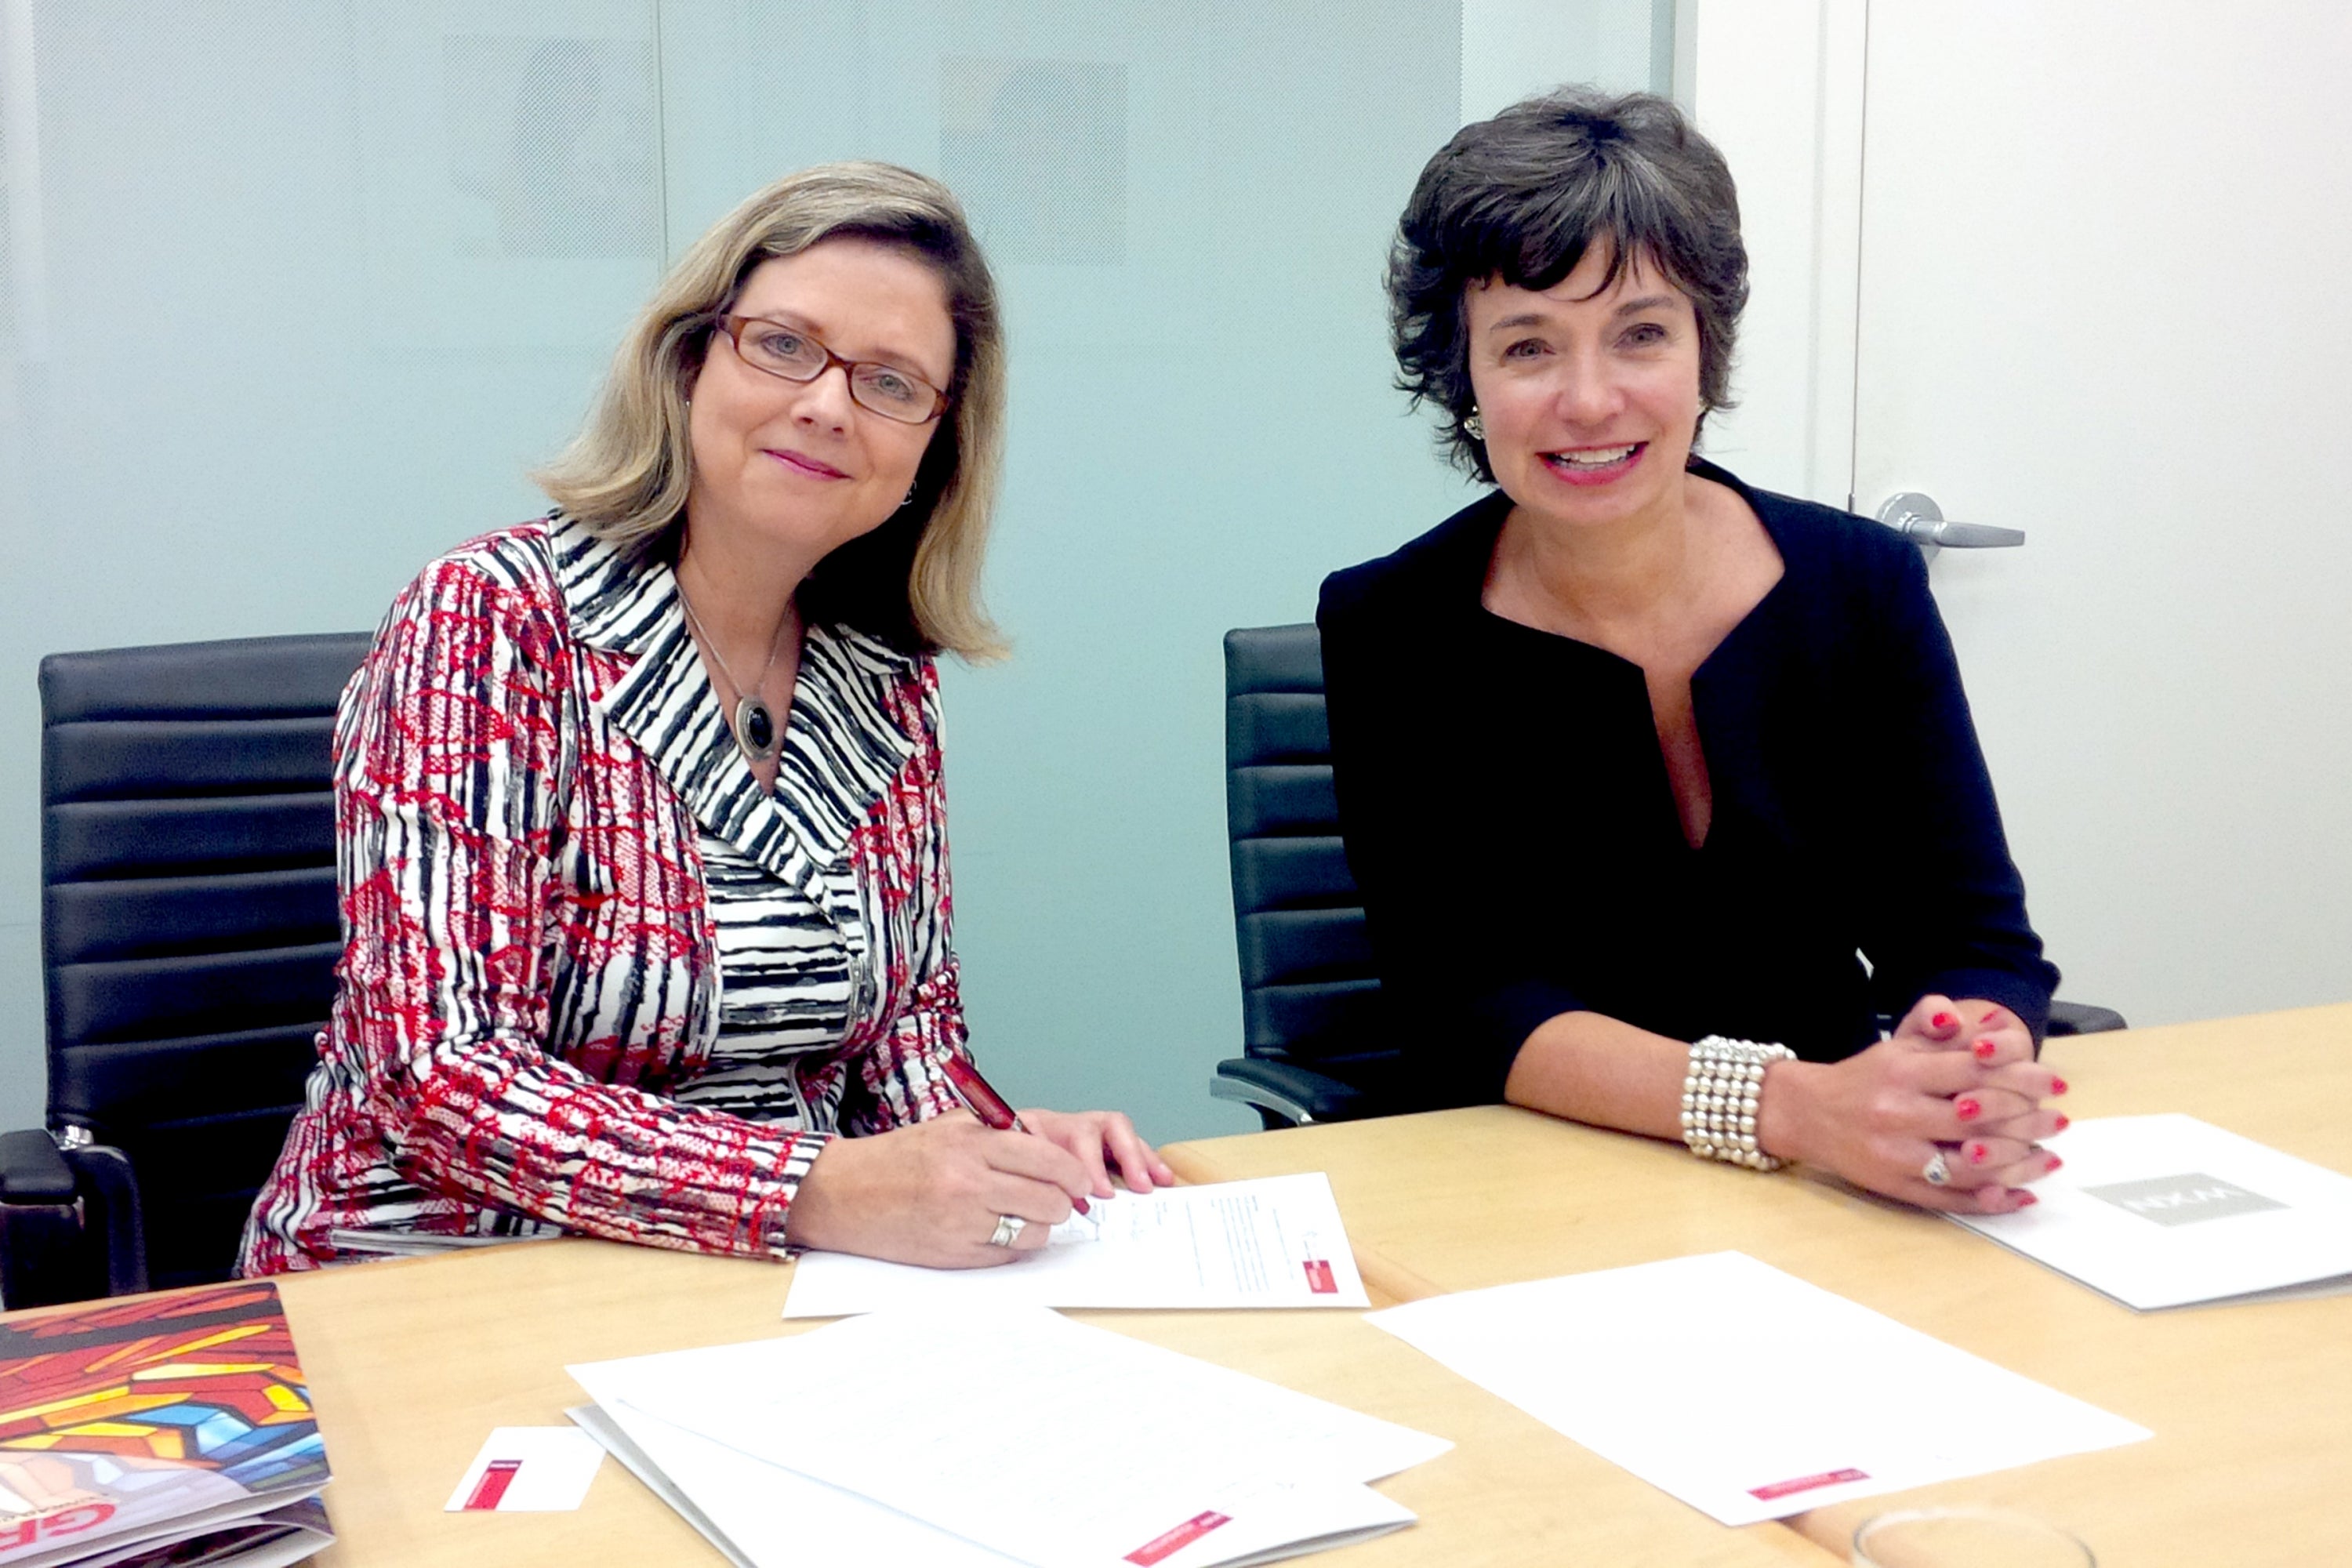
x,y
323,282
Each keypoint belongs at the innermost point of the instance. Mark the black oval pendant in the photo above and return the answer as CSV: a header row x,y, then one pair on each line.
x,y
755,727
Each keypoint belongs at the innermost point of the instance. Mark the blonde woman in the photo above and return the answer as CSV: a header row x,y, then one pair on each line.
x,y
639,807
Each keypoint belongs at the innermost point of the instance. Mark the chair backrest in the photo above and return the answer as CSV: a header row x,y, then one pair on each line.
x,y
1309,991
188,920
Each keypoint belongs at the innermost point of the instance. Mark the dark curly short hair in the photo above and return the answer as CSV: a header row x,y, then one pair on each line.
x,y
1522,196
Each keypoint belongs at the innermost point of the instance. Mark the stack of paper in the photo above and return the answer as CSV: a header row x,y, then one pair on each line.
x,y
1744,1392
2164,1211
989,1437
1274,1242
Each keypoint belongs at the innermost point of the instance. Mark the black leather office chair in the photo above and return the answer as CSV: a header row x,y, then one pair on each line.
x,y
189,936
1313,1033
1314,1036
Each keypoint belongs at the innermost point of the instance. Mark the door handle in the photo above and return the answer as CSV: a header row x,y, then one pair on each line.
x,y
1919,520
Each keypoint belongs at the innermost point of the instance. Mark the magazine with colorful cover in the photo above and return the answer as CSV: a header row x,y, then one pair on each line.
x,y
158,1432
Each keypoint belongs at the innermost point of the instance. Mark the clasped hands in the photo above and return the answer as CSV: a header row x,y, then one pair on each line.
x,y
1956,1078
931,1192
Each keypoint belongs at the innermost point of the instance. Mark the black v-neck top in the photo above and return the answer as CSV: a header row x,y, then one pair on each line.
x,y
1508,816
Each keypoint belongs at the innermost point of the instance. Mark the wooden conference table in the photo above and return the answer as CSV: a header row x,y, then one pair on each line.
x,y
412,1363
2251,1406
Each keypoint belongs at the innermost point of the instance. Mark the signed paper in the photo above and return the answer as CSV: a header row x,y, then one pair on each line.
x,y
1274,1242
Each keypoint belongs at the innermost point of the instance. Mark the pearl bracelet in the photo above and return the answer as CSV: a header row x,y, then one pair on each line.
x,y
1725,1079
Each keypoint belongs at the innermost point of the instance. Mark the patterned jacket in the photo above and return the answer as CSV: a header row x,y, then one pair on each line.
x,y
530,965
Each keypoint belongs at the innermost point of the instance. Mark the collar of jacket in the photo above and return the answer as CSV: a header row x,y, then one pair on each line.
x,y
853,725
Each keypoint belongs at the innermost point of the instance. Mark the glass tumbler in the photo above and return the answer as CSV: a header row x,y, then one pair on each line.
x,y
1965,1538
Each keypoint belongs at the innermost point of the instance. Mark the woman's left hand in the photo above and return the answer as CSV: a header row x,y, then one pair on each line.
x,y
1104,1142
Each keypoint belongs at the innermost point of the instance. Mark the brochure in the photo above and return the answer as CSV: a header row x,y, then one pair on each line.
x,y
158,1430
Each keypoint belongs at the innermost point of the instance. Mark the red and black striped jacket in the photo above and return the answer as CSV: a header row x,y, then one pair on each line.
x,y
528,968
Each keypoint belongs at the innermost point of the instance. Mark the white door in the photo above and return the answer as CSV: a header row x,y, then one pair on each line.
x,y
2104,296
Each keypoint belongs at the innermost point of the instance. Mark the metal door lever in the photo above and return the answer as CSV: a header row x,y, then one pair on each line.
x,y
1919,520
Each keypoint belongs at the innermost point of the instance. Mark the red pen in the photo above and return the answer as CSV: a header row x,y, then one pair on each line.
x,y
987,1104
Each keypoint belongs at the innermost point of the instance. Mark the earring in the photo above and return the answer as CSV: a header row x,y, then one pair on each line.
x,y
1475,427
908,501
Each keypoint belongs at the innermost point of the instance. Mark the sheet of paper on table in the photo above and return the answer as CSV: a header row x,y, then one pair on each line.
x,y
1274,1242
1745,1392
2168,1211
998,1429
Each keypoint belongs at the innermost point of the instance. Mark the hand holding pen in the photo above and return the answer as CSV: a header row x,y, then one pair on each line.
x,y
1104,1141
995,1114
954,1191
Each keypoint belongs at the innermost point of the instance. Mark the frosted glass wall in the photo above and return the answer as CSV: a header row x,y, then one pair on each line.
x,y
295,293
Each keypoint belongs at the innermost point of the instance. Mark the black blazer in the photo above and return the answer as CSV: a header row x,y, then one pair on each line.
x,y
1507,813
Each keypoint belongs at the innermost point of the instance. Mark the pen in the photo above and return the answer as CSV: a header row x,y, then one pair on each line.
x,y
987,1104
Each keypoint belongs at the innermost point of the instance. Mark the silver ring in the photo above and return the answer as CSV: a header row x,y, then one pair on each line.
x,y
1935,1172
1008,1230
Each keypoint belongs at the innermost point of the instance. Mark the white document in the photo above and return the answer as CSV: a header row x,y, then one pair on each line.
x,y
762,1516
1745,1392
2163,1210
602,1425
992,1426
528,1470
759,1515
1274,1242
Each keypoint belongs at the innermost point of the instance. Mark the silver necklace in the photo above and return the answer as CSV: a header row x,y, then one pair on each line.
x,y
754,724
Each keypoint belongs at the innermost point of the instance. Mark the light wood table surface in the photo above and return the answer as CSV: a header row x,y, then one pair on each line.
x,y
412,1363
2251,1406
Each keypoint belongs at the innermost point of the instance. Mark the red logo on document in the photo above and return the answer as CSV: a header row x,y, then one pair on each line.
x,y
1176,1540
492,1487
1318,1277
1806,1484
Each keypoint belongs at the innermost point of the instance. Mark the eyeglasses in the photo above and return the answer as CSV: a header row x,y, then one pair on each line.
x,y
793,355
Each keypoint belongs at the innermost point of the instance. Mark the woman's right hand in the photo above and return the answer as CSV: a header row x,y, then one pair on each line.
x,y
1878,1117
931,1192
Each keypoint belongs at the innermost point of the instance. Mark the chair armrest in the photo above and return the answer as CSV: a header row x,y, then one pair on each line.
x,y
69,1222
1286,1092
2083,1019
110,1191
32,1171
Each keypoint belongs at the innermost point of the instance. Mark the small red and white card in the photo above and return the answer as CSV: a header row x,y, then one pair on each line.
x,y
528,1470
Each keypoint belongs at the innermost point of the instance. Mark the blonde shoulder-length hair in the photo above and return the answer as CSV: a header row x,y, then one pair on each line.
x,y
915,581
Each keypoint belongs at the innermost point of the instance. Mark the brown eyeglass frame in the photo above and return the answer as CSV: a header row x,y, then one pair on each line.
x,y
732,327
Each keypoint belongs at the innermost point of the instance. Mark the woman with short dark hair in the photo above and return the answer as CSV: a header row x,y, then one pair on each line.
x,y
640,819
1663,790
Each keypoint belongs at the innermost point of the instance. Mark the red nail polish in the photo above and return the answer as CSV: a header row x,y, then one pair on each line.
x,y
2055,1163
2026,1200
1984,1049
2057,1085
1079,1204
2062,1122
1979,1153
1968,1110
1942,1021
